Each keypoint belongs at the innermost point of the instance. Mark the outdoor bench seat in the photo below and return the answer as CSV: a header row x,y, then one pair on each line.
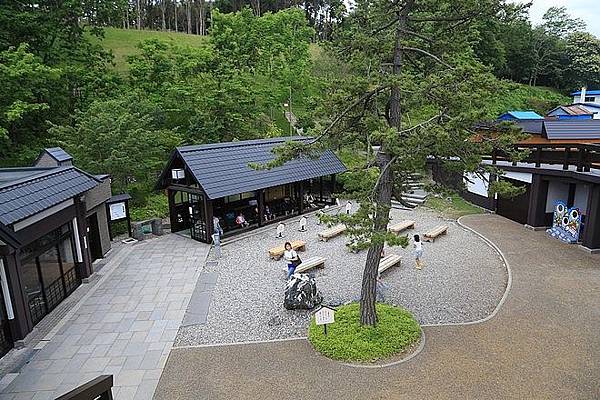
x,y
387,262
310,263
434,233
332,232
277,252
402,226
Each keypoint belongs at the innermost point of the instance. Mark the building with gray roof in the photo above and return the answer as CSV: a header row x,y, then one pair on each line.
x,y
222,180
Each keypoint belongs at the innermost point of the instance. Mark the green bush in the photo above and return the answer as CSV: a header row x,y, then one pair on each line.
x,y
157,206
347,340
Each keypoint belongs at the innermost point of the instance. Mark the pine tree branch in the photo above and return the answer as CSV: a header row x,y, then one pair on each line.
x,y
428,54
364,98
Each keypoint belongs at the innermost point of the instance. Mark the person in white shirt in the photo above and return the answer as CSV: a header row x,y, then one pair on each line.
x,y
418,246
302,227
291,258
280,229
348,207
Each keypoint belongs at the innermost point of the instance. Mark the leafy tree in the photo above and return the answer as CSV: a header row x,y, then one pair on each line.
x,y
583,50
122,137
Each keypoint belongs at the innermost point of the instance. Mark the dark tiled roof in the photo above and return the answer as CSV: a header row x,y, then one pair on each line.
x,y
222,169
531,126
58,154
8,175
29,195
572,129
119,198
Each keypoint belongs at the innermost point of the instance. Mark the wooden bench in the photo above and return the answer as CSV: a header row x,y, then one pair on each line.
x,y
277,252
332,232
387,262
310,263
434,233
402,226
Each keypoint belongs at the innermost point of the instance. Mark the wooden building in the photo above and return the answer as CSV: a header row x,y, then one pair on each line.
x,y
52,226
563,165
219,181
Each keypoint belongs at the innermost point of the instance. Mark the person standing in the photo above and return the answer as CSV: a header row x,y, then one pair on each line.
x,y
280,229
348,207
217,226
302,227
418,246
291,258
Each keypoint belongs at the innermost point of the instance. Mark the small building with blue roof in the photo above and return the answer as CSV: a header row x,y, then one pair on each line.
x,y
520,116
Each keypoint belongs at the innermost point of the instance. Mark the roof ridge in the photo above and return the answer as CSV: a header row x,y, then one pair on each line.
x,y
43,174
241,143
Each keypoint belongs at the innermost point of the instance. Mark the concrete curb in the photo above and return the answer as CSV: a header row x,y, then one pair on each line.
x,y
508,281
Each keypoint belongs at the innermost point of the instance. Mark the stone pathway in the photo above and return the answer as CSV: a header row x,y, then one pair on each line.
x,y
542,344
124,326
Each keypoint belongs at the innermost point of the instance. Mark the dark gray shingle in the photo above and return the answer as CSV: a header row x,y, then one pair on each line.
x,y
572,129
222,169
28,196
58,154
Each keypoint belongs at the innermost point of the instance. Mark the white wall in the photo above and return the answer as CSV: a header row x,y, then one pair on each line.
x,y
518,176
556,191
477,185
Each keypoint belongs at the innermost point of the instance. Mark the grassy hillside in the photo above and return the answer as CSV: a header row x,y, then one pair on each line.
x,y
523,97
123,42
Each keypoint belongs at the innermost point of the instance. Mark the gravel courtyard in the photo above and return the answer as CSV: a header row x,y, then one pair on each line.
x,y
463,280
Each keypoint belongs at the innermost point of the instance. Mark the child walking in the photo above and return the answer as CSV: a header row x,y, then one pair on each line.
x,y
418,246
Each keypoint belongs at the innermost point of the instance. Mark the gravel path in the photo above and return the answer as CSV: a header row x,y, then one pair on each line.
x,y
463,280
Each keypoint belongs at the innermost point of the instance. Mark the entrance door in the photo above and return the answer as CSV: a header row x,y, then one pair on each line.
x,y
515,208
180,217
197,217
94,237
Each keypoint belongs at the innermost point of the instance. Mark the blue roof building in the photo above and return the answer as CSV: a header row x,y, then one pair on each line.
x,y
520,116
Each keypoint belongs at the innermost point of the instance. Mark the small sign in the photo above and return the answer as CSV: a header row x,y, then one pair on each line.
x,y
117,211
325,315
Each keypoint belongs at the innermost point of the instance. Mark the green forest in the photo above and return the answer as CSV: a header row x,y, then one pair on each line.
x,y
119,84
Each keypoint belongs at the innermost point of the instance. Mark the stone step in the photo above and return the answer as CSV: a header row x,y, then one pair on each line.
x,y
398,206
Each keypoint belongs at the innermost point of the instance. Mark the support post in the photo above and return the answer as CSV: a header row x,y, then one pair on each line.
x,y
591,233
261,206
536,216
300,197
538,157
566,160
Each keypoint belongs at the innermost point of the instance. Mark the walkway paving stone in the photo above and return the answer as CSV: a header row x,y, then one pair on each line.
x,y
125,326
542,344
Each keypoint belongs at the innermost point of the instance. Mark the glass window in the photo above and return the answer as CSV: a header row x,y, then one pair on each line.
x,y
52,277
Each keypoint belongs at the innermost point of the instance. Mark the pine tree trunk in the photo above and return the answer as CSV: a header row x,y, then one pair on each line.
x,y
383,191
176,27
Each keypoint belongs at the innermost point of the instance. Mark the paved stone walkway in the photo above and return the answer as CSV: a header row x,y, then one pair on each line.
x,y
542,344
124,326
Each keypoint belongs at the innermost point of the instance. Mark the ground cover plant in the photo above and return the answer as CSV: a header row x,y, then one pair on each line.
x,y
348,340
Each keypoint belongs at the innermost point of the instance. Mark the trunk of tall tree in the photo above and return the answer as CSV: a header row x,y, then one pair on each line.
x,y
202,17
176,27
163,9
139,15
189,16
383,191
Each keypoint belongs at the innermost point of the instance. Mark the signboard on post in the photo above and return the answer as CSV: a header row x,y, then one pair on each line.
x,y
117,211
325,315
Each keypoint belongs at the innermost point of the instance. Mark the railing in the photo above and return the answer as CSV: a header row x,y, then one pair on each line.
x,y
99,388
583,156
